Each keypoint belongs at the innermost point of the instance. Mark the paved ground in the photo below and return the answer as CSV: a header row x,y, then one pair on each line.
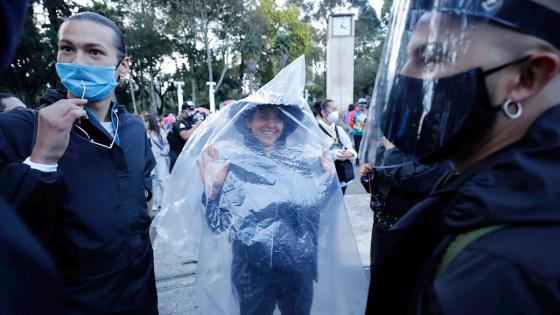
x,y
175,275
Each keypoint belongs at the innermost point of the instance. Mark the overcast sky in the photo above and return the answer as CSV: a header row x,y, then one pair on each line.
x,y
377,5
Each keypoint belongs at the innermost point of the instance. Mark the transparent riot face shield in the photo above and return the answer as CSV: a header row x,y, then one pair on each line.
x,y
431,100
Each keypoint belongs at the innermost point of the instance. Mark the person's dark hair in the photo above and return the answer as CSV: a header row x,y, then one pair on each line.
x,y
186,106
4,95
316,108
153,125
323,105
351,107
120,42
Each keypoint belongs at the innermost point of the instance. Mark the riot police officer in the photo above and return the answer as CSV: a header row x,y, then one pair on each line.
x,y
477,83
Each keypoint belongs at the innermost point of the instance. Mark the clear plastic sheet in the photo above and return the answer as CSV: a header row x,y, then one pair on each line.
x,y
255,199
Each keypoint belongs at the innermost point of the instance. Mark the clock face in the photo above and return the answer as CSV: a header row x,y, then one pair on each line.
x,y
342,26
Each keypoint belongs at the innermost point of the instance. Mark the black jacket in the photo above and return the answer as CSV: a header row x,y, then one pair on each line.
x,y
91,214
402,187
514,270
176,143
30,283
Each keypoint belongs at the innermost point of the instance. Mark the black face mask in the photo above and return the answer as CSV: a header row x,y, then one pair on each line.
x,y
460,110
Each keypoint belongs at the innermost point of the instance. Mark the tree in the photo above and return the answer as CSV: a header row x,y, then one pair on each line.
x,y
368,47
32,69
241,44
281,35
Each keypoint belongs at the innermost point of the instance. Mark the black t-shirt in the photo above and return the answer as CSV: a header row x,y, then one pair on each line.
x,y
176,143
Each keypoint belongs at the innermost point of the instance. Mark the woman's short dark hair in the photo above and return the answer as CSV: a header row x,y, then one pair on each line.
x,y
323,105
351,107
120,42
316,108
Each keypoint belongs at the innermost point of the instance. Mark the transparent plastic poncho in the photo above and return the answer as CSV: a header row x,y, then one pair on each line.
x,y
430,94
255,200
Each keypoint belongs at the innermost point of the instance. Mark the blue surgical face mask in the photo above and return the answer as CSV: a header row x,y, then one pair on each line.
x,y
93,83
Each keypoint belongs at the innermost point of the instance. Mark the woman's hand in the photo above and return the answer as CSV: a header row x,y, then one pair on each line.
x,y
366,169
213,171
344,155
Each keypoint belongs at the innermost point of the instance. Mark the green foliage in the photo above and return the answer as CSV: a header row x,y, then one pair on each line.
x,y
282,36
32,68
386,10
196,40
251,45
369,31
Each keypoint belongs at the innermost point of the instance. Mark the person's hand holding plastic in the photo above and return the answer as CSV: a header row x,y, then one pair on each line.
x,y
366,169
213,171
53,130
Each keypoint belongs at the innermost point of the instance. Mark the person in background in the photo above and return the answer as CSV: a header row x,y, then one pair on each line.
x,y
195,114
9,101
346,120
357,121
342,146
78,173
167,121
180,132
160,150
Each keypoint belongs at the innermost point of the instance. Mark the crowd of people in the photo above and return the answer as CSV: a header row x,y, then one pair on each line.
x,y
463,179
167,138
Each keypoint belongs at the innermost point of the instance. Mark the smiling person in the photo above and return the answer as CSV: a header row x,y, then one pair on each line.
x,y
278,266
255,195
476,83
77,171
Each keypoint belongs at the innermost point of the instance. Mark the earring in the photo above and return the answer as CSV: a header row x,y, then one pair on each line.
x,y
512,115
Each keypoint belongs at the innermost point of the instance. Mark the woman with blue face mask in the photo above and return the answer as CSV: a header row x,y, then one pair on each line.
x,y
79,169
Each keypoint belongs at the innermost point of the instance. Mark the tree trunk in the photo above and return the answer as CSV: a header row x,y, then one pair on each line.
x,y
283,60
131,87
142,98
153,107
193,86
225,57
241,71
252,64
204,22
208,56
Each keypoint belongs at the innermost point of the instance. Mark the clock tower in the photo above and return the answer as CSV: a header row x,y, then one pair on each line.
x,y
340,59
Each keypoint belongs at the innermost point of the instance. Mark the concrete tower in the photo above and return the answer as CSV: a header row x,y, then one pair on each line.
x,y
340,59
